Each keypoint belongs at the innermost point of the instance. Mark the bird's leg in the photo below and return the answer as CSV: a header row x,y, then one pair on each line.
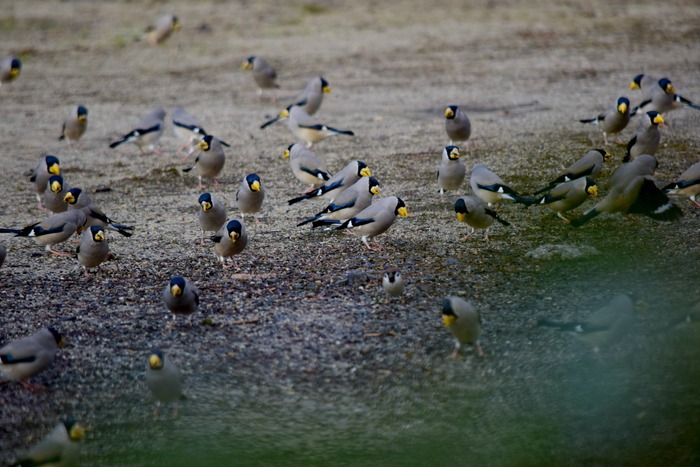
x,y
561,216
201,185
479,350
309,144
455,352
201,242
56,252
40,205
486,235
466,237
694,201
605,138
618,140
32,386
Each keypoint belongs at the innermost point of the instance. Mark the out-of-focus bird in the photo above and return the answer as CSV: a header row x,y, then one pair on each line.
x,y
307,166
604,327
393,283
347,204
375,219
590,165
451,171
633,190
162,28
48,165
230,240
93,249
492,189
305,127
264,74
53,230
457,125
614,120
645,83
477,215
10,68
569,195
250,196
210,161
60,448
75,125
646,139
688,184
211,214
663,98
30,355
339,182
311,97
146,133
464,323
52,199
188,128
163,378
77,199
180,296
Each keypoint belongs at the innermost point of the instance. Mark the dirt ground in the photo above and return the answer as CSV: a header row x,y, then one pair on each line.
x,y
299,335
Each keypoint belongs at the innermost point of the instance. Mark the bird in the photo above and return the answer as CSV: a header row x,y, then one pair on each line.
x,y
146,133
48,165
53,230
311,97
645,83
605,326
264,74
61,447
569,195
464,323
304,126
30,355
688,184
591,164
250,195
230,240
10,68
646,139
457,125
210,160
633,190
162,28
339,182
211,214
188,128
393,283
78,199
52,199
477,215
74,126
180,296
663,98
3,254
375,219
163,378
451,171
93,249
347,204
307,166
490,187
614,120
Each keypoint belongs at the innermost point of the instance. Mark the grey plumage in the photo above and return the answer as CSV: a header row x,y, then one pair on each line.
x,y
645,83
162,28
464,322
339,182
75,125
78,199
53,230
569,195
663,98
163,377
264,74
688,184
30,355
451,171
250,195
305,127
614,120
94,248
10,68
52,199
307,166
60,448
590,165
210,161
48,165
188,128
393,283
146,133
180,296
375,219
230,240
311,97
490,187
477,215
647,137
347,204
457,124
211,214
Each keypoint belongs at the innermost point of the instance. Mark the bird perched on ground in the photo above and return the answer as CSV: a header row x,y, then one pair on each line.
x,y
569,195
464,322
250,195
53,230
146,133
375,219
590,164
633,190
93,249
688,184
339,182
59,448
347,204
663,98
646,139
28,356
305,127
188,128
604,327
230,240
78,199
52,199
163,27
614,120
477,215
393,283
74,126
311,97
306,166
10,68
490,187
457,125
645,83
210,160
180,296
451,171
48,165
211,214
163,378
264,74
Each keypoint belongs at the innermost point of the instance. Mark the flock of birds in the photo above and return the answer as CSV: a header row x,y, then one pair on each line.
x,y
349,194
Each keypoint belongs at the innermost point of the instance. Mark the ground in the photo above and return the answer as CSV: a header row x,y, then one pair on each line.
x,y
296,357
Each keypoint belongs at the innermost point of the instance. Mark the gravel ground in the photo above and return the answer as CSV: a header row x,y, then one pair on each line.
x,y
299,334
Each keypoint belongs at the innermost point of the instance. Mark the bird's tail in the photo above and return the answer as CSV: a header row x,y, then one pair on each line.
x,y
579,221
268,123
341,132
325,222
187,169
307,220
121,228
13,231
685,102
116,143
542,190
590,120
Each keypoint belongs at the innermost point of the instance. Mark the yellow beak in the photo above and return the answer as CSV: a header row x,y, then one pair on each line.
x,y
246,66
448,320
403,212
255,186
69,198
449,113
622,108
326,89
233,236
286,154
155,362
365,172
77,432
593,191
375,190
454,154
203,146
658,119
206,206
175,290
284,113
99,236
461,216
55,169
634,85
